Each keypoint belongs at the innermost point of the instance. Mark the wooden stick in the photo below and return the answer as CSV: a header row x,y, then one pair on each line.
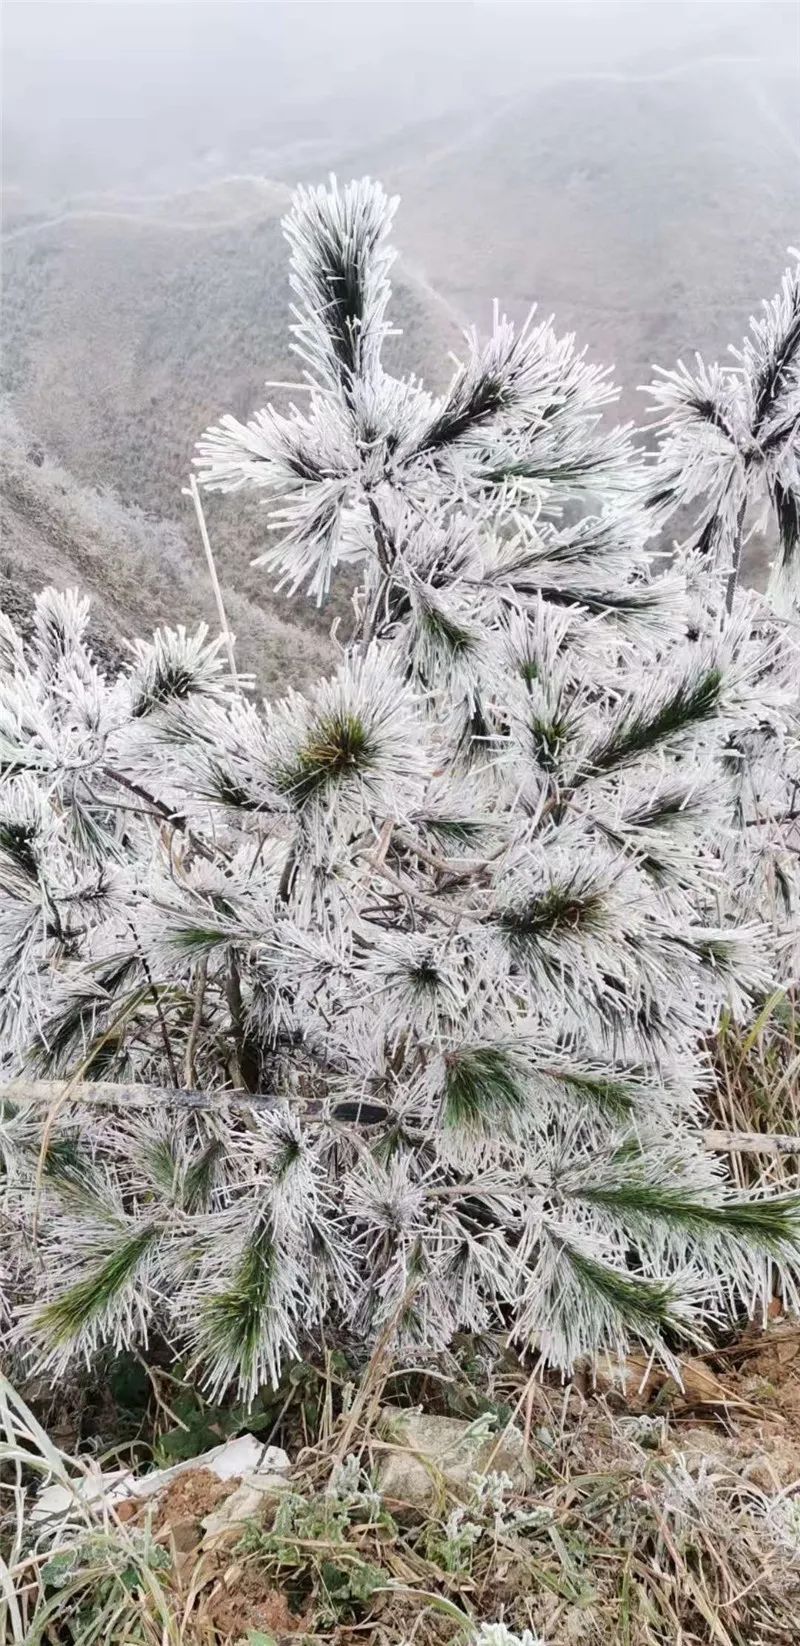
x,y
111,1094
752,1142
194,493
126,1095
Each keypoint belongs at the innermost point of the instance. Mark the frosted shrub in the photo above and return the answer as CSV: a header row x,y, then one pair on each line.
x,y
730,443
461,918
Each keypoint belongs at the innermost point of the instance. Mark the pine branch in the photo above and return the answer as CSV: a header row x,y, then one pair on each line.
x,y
640,727
83,1309
117,1095
470,907
482,1089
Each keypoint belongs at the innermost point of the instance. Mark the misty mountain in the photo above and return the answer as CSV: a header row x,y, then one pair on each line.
x,y
650,212
632,170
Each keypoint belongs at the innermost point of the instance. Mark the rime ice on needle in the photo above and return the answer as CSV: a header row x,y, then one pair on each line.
x,y
467,911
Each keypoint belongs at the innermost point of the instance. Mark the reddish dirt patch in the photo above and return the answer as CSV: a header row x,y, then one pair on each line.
x,y
739,1406
235,1594
243,1600
191,1496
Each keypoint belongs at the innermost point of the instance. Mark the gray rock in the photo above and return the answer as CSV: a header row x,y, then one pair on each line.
x,y
421,1457
250,1500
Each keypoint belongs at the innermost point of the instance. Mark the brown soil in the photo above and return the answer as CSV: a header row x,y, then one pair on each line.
x,y
763,1370
740,1406
738,1413
235,1595
191,1496
242,1599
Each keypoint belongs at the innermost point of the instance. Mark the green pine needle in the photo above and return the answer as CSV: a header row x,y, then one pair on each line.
x,y
235,1321
226,790
201,1176
197,940
336,748
478,738
482,1088
446,633
772,1223
545,469
547,739
424,977
613,1098
671,804
18,842
161,1164
62,1321
643,1305
173,681
69,1172
560,908
342,297
457,831
787,509
694,700
76,1021
626,602
466,408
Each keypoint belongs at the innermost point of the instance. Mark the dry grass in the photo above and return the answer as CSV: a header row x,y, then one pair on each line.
x,y
650,1516
635,1527
757,1087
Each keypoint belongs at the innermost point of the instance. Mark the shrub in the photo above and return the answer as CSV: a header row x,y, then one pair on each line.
x,y
460,917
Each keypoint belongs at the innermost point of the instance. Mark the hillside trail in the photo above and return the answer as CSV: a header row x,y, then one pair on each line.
x,y
434,156
140,219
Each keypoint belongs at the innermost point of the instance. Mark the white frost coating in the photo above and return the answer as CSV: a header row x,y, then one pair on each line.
x,y
467,911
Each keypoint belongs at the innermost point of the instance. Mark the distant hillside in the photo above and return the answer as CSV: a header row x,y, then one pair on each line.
x,y
131,326
140,572
649,211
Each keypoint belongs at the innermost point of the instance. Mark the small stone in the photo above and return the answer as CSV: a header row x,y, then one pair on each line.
x,y
424,1453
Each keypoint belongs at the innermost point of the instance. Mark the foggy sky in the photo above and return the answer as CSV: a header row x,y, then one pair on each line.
x,y
106,94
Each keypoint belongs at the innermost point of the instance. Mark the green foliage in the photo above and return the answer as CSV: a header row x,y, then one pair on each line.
x,y
613,1098
83,1016
547,738
336,748
288,1412
314,1549
454,831
482,1089
573,906
771,1222
95,1592
85,1303
692,701
643,1305
444,633
18,842
236,1321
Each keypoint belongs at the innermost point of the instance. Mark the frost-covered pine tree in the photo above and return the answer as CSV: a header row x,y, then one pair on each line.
x,y
730,443
386,1006
729,450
